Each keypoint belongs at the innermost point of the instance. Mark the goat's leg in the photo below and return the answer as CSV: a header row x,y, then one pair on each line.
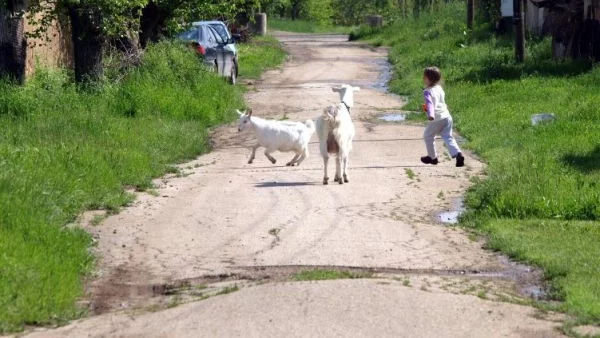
x,y
268,155
302,156
338,169
253,154
293,160
345,168
325,160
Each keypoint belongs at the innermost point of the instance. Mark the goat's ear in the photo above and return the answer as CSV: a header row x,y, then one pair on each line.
x,y
249,112
239,112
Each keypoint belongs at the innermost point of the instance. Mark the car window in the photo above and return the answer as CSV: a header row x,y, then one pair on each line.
x,y
221,30
208,35
192,34
219,38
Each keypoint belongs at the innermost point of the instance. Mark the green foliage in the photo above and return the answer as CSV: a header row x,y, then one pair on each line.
x,y
350,12
278,8
547,173
304,26
118,16
64,150
183,12
319,11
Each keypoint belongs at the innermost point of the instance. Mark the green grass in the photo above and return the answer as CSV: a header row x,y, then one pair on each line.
x,y
303,26
568,250
547,173
263,52
319,274
64,150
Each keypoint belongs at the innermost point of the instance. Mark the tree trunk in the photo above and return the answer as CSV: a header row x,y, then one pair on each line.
x,y
13,45
152,24
295,9
88,40
470,13
417,8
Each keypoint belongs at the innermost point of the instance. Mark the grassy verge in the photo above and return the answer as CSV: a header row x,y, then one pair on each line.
x,y
540,201
303,26
263,52
64,150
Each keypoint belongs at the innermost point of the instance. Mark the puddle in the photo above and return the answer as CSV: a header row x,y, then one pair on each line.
x,y
393,117
451,216
542,118
535,292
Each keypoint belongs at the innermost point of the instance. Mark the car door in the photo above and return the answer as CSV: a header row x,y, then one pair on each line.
x,y
209,41
224,56
222,30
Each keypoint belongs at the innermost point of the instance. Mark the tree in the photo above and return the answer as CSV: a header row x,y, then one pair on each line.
x,y
92,21
161,17
13,44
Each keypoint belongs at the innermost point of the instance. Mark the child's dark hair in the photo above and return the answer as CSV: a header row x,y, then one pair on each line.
x,y
433,74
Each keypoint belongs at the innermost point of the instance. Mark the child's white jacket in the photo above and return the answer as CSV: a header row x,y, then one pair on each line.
x,y
435,99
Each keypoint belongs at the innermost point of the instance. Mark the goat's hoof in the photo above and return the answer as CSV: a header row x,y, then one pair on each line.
x,y
341,182
337,179
250,162
346,179
273,161
325,181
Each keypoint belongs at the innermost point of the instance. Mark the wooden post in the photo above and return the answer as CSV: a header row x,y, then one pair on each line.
x,y
260,24
470,13
374,21
519,30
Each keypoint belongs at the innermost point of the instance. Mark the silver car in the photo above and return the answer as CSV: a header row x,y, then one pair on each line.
x,y
217,46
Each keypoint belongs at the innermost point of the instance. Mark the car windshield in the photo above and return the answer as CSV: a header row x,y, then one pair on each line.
x,y
192,34
221,30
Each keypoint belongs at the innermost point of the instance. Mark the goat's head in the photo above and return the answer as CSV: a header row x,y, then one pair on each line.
x,y
346,94
244,121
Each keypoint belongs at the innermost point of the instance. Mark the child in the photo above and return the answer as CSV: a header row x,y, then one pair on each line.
x,y
440,121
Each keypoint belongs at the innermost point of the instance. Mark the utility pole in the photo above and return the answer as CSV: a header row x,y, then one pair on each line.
x,y
470,13
519,24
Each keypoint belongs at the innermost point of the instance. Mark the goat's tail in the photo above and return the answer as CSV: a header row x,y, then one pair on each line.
x,y
310,124
330,113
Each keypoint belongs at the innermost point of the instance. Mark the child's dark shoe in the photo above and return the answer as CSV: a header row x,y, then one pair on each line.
x,y
460,160
429,160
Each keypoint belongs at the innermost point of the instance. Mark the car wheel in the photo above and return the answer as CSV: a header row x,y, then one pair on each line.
x,y
233,75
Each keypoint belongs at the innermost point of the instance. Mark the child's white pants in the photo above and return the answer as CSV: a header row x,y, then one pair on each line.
x,y
442,127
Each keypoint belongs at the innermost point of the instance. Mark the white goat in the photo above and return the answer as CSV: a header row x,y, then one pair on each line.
x,y
274,135
336,132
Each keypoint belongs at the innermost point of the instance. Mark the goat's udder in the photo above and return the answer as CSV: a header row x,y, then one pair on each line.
x,y
332,146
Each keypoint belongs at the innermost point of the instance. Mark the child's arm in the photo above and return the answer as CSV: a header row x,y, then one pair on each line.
x,y
429,104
